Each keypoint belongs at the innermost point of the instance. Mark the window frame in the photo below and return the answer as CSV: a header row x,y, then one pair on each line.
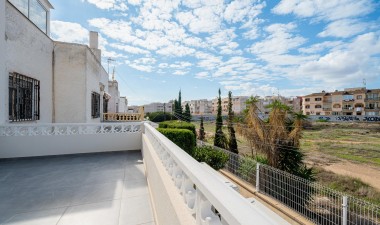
x,y
95,105
23,98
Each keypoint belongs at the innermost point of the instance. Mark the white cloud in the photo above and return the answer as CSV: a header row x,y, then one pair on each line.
x,y
279,41
109,4
69,32
202,75
129,49
344,28
175,50
134,2
120,30
325,9
240,10
144,68
315,48
180,72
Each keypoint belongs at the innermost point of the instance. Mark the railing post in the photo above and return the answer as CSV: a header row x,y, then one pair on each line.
x,y
258,177
344,210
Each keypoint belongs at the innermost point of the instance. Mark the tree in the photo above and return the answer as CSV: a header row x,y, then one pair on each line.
x,y
178,107
232,143
201,131
187,115
278,138
220,138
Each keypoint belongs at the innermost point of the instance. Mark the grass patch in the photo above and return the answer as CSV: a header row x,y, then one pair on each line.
x,y
351,186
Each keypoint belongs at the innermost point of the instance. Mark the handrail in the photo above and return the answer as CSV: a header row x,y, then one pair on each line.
x,y
210,191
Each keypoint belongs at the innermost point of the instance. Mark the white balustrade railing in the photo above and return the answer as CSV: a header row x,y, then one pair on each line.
x,y
69,129
206,197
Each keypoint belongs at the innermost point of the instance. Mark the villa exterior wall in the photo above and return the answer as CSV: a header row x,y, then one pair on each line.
x,y
3,76
28,52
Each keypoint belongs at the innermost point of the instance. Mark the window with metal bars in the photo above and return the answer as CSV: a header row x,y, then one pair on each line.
x,y
24,98
95,105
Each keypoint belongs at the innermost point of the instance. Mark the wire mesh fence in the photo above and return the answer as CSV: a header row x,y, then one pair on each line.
x,y
316,202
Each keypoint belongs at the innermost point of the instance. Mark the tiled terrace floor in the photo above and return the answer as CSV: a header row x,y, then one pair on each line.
x,y
85,189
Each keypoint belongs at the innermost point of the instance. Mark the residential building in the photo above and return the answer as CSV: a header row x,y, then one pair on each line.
x,y
350,101
238,104
61,82
199,107
123,104
114,101
264,102
158,107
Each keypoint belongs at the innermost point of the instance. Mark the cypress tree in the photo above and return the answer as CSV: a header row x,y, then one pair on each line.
x,y
220,138
187,114
232,143
201,131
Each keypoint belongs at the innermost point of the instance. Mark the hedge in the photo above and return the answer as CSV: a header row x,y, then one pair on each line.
x,y
185,139
178,125
214,158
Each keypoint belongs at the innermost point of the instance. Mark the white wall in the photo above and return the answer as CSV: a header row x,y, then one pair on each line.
x,y
28,52
3,74
69,83
113,90
26,146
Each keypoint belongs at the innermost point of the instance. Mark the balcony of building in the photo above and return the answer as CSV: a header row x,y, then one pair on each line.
x,y
112,173
124,117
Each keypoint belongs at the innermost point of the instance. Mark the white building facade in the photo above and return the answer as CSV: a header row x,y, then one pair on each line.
x,y
61,82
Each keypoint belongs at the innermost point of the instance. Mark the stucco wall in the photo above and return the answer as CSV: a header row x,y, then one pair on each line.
x,y
113,90
25,146
28,52
69,83
3,77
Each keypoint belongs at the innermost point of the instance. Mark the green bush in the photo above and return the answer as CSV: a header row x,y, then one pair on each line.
x,y
178,125
185,139
160,116
214,158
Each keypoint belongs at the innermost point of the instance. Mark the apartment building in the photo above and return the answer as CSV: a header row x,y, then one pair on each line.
x,y
62,82
158,107
199,107
238,105
350,101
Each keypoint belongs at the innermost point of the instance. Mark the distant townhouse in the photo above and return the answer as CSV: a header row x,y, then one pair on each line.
x,y
351,101
199,107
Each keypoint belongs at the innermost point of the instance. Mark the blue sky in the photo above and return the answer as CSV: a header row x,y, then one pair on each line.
x,y
251,47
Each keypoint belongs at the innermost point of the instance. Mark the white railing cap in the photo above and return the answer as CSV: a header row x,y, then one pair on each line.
x,y
234,208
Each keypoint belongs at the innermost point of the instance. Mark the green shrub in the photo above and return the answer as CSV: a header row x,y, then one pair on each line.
x,y
185,139
160,116
178,125
214,158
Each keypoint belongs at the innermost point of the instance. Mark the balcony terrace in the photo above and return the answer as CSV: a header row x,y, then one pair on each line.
x,y
131,174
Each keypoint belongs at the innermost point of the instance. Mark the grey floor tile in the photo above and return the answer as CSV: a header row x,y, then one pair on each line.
x,y
44,217
101,213
97,193
134,188
136,210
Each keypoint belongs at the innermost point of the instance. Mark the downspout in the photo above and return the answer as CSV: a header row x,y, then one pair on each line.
x,y
53,86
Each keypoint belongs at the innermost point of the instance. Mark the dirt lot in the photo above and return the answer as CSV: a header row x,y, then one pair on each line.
x,y
349,149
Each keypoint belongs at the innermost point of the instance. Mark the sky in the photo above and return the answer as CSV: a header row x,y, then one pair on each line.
x,y
249,47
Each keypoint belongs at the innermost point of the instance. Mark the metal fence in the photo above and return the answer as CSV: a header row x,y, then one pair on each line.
x,y
318,203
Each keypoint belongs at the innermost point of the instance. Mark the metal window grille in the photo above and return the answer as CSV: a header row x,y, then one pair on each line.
x,y
24,98
95,105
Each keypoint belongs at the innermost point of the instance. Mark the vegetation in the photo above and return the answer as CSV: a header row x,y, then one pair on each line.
x,y
352,186
160,116
201,131
177,107
219,139
184,138
232,143
178,125
187,114
278,138
247,167
214,158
